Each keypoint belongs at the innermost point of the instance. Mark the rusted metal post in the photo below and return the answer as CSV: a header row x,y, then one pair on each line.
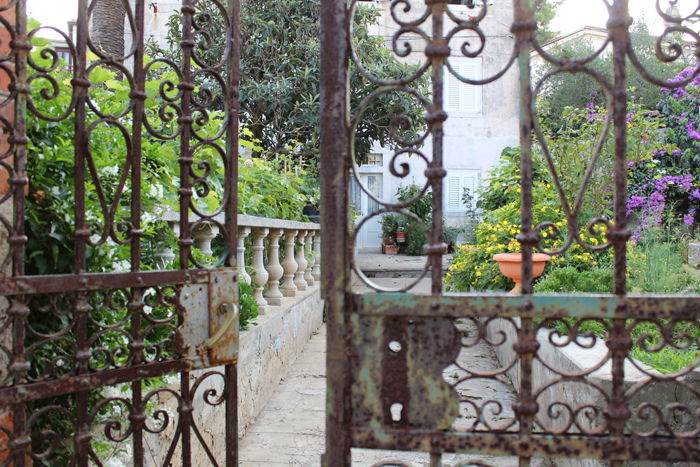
x,y
232,141
335,281
186,120
524,27
619,341
438,51
136,302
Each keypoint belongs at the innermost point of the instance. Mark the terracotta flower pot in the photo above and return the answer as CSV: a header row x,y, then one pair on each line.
x,y
400,237
510,266
391,249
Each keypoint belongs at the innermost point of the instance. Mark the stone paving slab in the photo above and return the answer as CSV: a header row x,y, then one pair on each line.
x,y
290,430
371,262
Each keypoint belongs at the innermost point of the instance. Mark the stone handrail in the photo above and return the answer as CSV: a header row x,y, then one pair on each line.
x,y
297,266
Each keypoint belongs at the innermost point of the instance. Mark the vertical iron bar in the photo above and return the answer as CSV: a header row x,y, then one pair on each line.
x,y
438,51
136,302
231,371
232,134
524,27
335,256
82,232
18,311
187,86
138,415
82,145
18,368
618,25
20,47
185,160
619,342
139,96
82,356
231,415
185,411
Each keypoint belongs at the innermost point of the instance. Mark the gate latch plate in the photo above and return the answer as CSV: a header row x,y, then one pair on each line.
x,y
222,345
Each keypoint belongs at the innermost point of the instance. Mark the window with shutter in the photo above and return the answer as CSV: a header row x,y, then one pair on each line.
x,y
453,194
461,97
456,181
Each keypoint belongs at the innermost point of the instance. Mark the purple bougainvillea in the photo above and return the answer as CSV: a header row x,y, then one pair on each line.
x,y
665,184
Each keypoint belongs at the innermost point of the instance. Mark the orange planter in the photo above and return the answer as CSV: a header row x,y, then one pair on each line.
x,y
510,266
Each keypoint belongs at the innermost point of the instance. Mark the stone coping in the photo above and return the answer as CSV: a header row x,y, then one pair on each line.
x,y
253,221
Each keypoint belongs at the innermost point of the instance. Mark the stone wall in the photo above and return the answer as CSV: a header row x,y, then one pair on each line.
x,y
267,352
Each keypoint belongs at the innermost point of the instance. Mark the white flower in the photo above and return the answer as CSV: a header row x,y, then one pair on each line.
x,y
156,191
122,266
111,170
147,218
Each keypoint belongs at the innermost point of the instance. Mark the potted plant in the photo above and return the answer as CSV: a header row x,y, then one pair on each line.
x,y
391,249
400,233
510,266
389,225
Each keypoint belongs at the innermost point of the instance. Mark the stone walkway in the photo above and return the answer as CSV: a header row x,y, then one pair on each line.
x,y
290,430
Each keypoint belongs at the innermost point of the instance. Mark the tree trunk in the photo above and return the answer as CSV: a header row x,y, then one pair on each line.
x,y
107,27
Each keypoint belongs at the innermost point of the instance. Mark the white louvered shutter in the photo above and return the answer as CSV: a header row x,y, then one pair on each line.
x,y
456,181
454,202
461,97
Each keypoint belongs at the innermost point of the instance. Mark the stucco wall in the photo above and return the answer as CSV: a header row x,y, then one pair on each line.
x,y
471,141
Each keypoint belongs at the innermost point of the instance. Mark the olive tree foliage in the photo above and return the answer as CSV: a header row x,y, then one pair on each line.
x,y
580,90
280,76
545,12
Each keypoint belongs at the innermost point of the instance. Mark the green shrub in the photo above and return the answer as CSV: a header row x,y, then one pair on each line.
x,y
570,279
415,239
390,223
248,305
421,208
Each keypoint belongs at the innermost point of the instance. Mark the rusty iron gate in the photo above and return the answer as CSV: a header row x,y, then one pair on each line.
x,y
388,352
67,338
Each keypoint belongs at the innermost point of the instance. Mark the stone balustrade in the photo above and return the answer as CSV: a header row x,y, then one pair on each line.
x,y
284,257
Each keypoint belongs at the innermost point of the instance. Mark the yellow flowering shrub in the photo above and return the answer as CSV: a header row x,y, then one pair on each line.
x,y
473,267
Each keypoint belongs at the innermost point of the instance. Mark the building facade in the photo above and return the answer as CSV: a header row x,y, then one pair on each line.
x,y
482,120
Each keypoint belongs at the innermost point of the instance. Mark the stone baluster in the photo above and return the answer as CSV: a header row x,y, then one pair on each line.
x,y
317,257
202,235
274,268
243,275
260,275
301,262
289,289
308,276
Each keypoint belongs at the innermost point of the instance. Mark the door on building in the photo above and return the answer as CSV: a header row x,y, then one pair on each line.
x,y
370,236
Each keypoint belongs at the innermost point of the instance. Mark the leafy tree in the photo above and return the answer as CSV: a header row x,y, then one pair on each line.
x,y
280,75
544,13
580,90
